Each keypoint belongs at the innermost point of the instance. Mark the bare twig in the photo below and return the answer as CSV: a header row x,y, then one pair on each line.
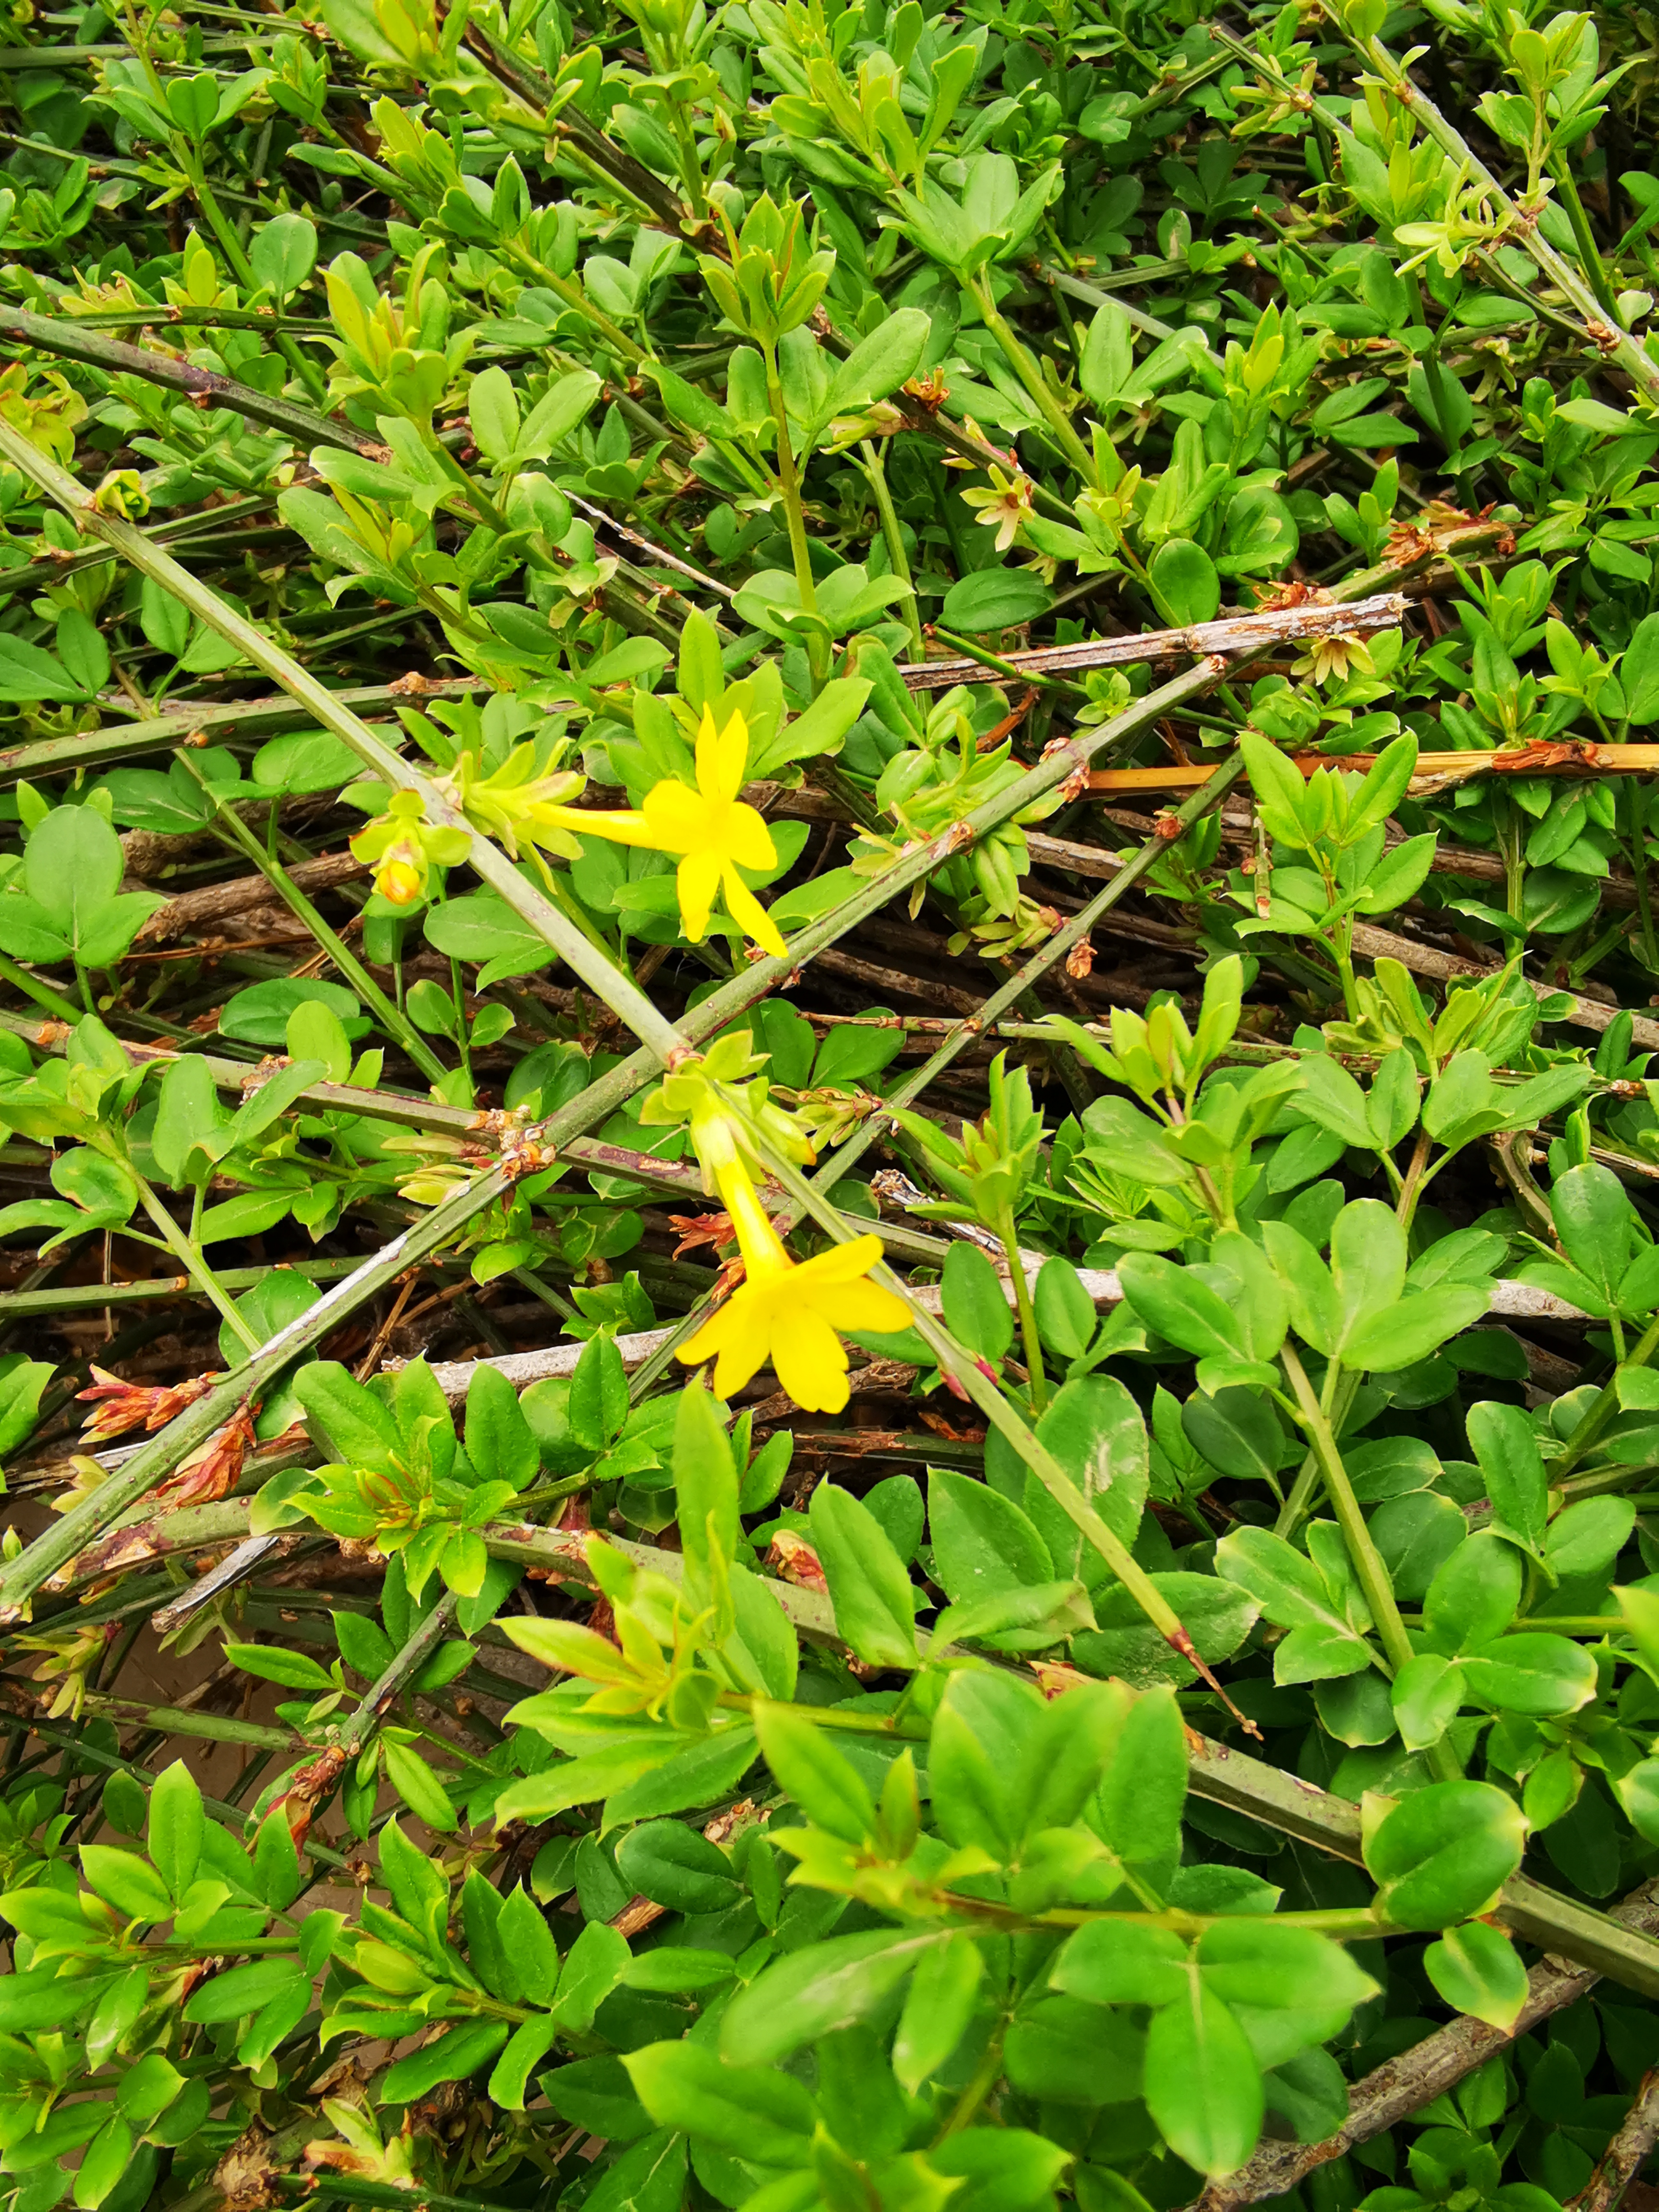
x,y
1242,633
1625,2154
1406,2084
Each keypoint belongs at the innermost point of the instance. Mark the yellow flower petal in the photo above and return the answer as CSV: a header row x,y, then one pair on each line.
x,y
737,1336
698,881
808,1357
679,818
852,1307
733,757
722,756
747,839
621,828
758,1240
745,909
844,1263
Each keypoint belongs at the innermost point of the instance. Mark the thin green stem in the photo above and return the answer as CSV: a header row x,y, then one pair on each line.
x,y
1595,1423
875,475
395,1022
966,1371
190,1259
1370,1569
1042,395
42,994
1023,1306
788,483
1584,238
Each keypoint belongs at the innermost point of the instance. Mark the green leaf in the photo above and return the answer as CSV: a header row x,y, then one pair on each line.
x,y
1444,1852
1136,1813
1474,1597
1110,1964
938,2007
1586,1538
353,1423
276,1862
815,1991
1252,1961
283,252
1281,793
705,1486
424,1794
593,1966
879,363
455,2056
42,1998
106,2158
984,1543
599,1394
809,1769
1506,1449
126,1882
995,599
1203,2085
674,1866
1425,1694
240,1991
754,2112
976,1309
273,1662
1184,585
869,1587
1475,1970
499,1440
701,1774
649,2178
1174,1301
177,1824
1405,1333
1544,1676
29,675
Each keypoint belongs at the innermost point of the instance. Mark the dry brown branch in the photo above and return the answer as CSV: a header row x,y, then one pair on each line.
x,y
244,894
1239,633
1406,2084
1625,2153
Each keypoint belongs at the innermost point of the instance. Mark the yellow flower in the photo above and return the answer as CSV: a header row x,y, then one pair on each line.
x,y
401,876
790,1315
1342,653
1006,507
710,830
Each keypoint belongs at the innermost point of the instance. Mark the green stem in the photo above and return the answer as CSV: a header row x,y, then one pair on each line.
x,y
1042,395
875,475
788,482
306,370
1584,238
954,1361
394,1023
1370,1571
42,994
427,1635
190,1259
1507,823
1411,1188
574,296
1601,1414
690,168
1023,1307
